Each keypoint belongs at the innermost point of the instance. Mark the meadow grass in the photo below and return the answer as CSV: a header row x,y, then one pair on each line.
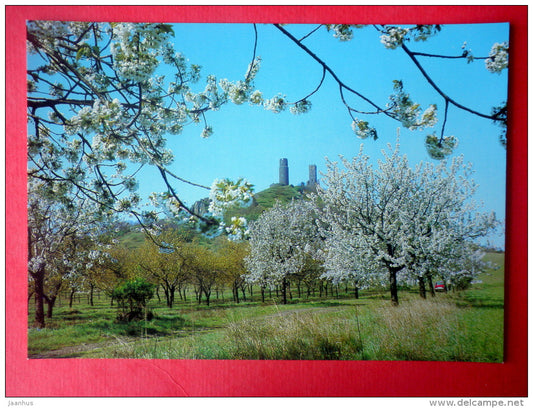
x,y
461,326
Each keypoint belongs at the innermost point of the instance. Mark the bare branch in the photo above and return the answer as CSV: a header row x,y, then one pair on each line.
x,y
441,92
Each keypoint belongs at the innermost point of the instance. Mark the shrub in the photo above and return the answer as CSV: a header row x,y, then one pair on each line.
x,y
132,297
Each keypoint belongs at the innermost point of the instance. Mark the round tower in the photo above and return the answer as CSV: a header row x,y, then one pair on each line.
x,y
312,175
284,172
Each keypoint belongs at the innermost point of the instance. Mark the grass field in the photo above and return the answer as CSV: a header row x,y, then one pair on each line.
x,y
462,326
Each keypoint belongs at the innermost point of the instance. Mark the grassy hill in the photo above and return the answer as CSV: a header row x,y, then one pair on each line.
x,y
266,199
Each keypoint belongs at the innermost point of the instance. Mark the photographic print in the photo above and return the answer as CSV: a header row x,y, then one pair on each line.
x,y
266,201
282,192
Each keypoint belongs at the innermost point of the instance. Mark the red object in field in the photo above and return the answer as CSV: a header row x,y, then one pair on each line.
x,y
440,286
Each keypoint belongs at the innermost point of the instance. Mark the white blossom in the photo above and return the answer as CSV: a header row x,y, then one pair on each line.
x,y
362,129
498,59
408,222
280,242
394,37
276,104
226,193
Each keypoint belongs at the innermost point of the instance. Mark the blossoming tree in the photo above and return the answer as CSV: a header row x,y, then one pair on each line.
x,y
63,242
100,110
282,240
413,222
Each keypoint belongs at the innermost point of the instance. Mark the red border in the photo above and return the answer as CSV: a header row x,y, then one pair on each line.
x,y
108,378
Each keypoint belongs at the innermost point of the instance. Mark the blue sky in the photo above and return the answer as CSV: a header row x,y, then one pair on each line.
x,y
249,141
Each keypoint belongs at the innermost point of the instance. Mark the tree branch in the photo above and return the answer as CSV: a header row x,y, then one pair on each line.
x,y
440,91
329,70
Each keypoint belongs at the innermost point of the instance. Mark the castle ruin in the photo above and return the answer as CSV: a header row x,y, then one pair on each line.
x,y
284,174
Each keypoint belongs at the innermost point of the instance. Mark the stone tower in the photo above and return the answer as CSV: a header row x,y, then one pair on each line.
x,y
312,175
284,172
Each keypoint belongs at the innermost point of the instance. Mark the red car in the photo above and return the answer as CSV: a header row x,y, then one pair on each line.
x,y
440,286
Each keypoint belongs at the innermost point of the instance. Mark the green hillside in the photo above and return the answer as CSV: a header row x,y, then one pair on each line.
x,y
266,199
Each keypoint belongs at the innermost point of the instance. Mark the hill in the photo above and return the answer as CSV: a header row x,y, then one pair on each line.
x,y
266,199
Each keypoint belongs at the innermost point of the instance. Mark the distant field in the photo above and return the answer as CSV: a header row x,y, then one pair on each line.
x,y
462,326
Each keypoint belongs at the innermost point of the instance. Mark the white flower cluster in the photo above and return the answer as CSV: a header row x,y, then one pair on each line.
x,y
256,98
240,92
56,33
226,193
363,130
440,149
409,113
498,59
301,107
276,104
253,69
343,32
394,37
136,49
89,119
281,242
207,132
429,117
238,229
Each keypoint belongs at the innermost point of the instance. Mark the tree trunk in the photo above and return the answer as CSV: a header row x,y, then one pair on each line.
x,y
38,279
431,287
91,295
50,302
171,296
207,295
356,291
284,291
262,294
422,287
393,286
39,300
167,295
